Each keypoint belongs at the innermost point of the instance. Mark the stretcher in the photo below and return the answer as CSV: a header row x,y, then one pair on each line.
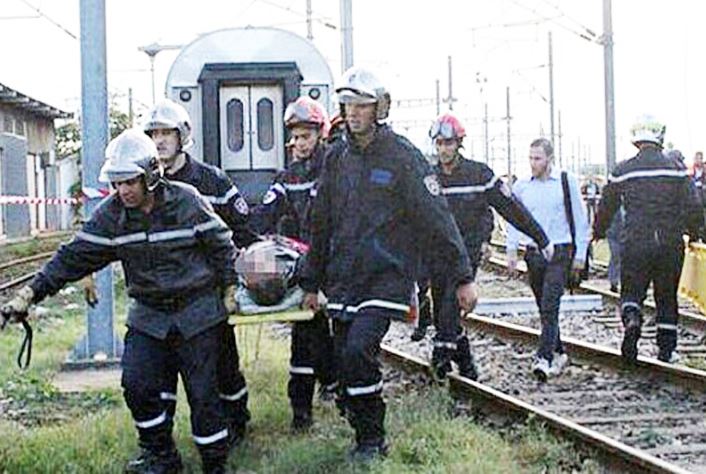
x,y
288,310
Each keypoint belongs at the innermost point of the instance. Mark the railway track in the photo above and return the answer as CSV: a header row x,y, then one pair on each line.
x,y
19,271
643,418
689,316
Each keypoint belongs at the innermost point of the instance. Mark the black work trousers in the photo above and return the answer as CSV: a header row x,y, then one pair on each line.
x,y
357,341
547,280
145,363
312,359
232,388
645,262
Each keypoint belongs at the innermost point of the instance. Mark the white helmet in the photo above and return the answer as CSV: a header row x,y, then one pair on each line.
x,y
131,154
647,129
167,114
360,86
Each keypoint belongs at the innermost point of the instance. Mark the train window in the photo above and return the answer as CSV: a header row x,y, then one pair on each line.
x,y
236,130
265,124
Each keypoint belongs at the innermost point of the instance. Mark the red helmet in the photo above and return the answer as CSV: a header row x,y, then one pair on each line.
x,y
447,126
308,112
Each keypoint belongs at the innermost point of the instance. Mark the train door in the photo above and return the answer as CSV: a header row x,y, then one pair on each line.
x,y
251,127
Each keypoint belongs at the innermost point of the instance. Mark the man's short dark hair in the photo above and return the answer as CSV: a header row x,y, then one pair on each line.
x,y
546,146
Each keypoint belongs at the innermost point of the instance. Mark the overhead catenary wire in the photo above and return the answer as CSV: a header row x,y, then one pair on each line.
x,y
49,19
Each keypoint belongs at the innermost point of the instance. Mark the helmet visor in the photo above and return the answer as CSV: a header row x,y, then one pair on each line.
x,y
442,129
116,173
352,96
299,113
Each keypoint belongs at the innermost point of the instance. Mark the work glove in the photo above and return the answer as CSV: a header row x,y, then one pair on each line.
x,y
229,301
441,357
16,309
90,292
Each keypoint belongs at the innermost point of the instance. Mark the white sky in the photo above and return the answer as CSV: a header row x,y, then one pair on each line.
x,y
660,55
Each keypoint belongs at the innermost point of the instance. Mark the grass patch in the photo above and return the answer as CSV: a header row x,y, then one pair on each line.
x,y
34,245
96,433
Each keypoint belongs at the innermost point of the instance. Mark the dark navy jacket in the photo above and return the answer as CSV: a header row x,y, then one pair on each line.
x,y
659,200
223,195
377,211
470,189
286,207
175,259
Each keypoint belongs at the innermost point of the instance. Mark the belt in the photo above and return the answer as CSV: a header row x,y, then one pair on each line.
x,y
174,303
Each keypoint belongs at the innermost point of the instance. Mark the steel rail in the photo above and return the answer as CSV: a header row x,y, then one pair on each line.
x,y
20,261
686,377
614,453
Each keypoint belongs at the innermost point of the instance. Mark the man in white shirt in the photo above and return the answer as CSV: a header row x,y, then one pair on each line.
x,y
543,195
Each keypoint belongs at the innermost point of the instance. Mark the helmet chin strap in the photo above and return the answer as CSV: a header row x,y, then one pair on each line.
x,y
174,163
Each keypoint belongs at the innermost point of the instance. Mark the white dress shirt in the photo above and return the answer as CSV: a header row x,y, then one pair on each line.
x,y
545,201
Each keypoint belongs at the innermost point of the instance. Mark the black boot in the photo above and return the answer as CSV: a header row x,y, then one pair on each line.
x,y
155,462
464,359
302,420
214,466
632,322
419,333
367,417
367,452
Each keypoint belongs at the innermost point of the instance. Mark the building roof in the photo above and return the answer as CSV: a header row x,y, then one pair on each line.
x,y
13,98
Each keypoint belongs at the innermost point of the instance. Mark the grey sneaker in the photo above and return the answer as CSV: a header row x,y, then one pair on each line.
x,y
541,368
559,361
669,358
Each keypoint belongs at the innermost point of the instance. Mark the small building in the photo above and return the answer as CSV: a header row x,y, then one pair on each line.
x,y
28,167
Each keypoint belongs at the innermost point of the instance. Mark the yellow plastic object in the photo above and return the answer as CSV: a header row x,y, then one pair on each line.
x,y
283,317
692,284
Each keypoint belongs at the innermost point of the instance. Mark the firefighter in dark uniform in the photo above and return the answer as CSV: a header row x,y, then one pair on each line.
x,y
179,261
471,188
285,211
169,126
378,209
660,206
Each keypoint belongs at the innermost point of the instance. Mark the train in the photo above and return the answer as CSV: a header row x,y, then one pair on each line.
x,y
235,83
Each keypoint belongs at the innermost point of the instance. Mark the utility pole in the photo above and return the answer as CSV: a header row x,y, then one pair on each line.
x,y
573,157
607,41
438,98
509,149
152,50
130,112
450,99
100,343
551,88
346,34
558,139
309,29
485,123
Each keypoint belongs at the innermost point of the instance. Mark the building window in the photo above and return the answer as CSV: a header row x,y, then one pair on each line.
x,y
20,127
235,125
9,125
265,124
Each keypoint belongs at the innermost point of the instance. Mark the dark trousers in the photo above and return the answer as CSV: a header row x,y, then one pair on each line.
x,y
659,264
357,347
312,359
547,280
614,264
145,363
232,388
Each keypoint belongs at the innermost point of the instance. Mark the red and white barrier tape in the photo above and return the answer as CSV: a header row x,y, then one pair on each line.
x,y
88,193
